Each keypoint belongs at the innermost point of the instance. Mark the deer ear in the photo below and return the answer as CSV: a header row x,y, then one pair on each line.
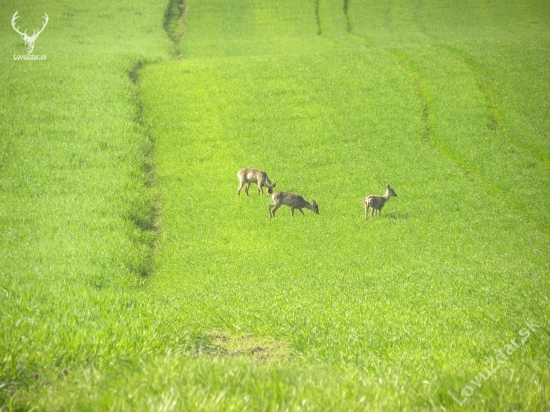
x,y
313,202
274,184
388,186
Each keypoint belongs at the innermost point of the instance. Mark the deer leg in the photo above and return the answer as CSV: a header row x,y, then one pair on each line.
x,y
241,184
301,211
272,209
260,189
366,211
246,188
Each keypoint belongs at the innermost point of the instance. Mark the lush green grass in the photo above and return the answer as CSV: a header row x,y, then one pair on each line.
x,y
234,311
406,308
74,200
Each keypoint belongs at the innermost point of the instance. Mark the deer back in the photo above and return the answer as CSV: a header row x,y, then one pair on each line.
x,y
250,175
288,199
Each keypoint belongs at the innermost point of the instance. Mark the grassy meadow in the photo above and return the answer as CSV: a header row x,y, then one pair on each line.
x,y
132,276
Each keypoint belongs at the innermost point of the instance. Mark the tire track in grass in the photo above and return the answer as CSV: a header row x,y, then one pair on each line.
x,y
493,108
335,24
421,95
335,19
428,122
473,171
349,27
146,212
175,23
318,17
494,115
421,92
516,157
480,171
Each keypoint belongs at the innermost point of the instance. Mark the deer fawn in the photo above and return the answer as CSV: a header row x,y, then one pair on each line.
x,y
377,202
294,201
249,175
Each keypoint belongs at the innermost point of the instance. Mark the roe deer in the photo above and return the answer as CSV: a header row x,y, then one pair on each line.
x,y
294,201
377,202
249,175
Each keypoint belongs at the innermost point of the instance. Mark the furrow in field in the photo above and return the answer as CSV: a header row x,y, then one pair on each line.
x,y
428,120
175,20
332,119
146,213
318,18
466,129
463,116
421,95
495,111
349,27
333,18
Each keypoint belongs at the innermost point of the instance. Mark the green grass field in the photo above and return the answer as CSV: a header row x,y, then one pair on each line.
x,y
132,276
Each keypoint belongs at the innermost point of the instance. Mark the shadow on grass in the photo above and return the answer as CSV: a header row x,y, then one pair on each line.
x,y
396,216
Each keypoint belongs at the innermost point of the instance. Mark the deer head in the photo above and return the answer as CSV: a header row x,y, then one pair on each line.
x,y
29,40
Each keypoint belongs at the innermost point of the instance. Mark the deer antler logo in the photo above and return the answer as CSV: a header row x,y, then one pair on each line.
x,y
29,40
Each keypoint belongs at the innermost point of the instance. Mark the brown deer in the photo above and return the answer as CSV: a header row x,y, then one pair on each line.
x,y
249,175
294,201
377,202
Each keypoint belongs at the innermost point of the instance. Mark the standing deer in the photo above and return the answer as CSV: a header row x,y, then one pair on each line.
x,y
294,201
377,202
249,175
29,40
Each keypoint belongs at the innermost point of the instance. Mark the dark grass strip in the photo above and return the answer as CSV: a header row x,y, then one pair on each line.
x,y
145,214
349,27
494,112
318,17
175,20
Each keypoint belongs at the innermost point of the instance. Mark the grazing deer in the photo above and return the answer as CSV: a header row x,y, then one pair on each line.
x,y
294,201
249,175
377,202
